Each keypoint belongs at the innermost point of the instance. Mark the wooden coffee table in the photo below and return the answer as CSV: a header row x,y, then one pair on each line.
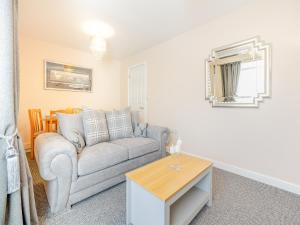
x,y
170,191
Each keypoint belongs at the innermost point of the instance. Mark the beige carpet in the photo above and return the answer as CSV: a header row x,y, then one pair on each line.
x,y
236,201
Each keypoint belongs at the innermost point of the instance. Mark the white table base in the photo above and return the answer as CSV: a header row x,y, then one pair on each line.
x,y
144,208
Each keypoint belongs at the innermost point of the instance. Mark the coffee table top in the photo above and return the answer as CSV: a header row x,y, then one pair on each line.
x,y
165,177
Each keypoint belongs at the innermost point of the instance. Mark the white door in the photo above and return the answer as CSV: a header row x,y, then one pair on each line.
x,y
137,89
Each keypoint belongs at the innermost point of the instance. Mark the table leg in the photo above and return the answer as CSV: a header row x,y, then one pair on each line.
x,y
47,126
128,200
206,185
144,208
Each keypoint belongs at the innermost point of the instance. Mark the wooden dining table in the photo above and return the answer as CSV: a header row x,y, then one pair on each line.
x,y
47,122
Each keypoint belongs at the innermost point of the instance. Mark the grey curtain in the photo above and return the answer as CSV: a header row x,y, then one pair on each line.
x,y
230,78
17,206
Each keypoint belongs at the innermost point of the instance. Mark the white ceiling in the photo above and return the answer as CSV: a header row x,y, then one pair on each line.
x,y
138,24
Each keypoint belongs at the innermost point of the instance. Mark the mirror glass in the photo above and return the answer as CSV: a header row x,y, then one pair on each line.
x,y
238,75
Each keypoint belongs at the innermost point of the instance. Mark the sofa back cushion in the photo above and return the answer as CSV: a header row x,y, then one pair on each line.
x,y
95,127
71,127
119,124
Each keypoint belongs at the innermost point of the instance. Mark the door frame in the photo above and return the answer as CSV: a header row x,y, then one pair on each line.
x,y
146,87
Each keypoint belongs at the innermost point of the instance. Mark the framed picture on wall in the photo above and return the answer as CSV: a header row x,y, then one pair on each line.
x,y
67,77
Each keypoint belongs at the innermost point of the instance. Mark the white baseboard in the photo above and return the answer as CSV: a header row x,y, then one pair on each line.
x,y
275,182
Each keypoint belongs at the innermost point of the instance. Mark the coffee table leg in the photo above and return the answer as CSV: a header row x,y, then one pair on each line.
x,y
210,188
128,201
206,185
144,208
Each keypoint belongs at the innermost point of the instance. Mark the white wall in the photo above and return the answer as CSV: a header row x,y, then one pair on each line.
x,y
106,81
264,140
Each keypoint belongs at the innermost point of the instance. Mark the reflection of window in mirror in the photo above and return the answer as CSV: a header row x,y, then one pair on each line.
x,y
251,79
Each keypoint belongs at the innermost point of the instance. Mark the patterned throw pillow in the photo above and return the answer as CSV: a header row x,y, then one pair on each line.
x,y
95,127
141,130
119,124
77,140
135,119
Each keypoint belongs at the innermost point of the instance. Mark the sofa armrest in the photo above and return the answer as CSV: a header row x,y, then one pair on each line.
x,y
48,148
161,134
57,162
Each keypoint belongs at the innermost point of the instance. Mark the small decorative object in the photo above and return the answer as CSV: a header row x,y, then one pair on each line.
x,y
178,145
172,149
67,77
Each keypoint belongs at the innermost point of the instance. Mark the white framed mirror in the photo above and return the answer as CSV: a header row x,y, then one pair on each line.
x,y
238,75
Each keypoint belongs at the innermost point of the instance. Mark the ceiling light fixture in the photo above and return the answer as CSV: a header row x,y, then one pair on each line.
x,y
98,46
98,28
99,31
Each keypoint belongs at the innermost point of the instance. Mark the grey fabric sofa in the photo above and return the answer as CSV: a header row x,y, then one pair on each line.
x,y
72,177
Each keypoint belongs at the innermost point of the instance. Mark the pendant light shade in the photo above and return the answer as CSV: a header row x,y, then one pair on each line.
x,y
98,46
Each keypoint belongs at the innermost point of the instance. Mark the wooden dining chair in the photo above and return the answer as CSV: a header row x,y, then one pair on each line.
x,y
77,110
36,126
53,119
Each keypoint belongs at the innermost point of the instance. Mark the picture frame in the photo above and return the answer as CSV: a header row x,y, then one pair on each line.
x,y
67,77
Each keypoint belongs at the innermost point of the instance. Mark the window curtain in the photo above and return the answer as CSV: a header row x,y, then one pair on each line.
x,y
230,77
17,204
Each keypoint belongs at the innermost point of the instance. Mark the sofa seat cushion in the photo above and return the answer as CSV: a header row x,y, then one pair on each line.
x,y
100,156
138,146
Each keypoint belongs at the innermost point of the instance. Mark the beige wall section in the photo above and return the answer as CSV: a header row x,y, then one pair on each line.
x,y
106,81
264,140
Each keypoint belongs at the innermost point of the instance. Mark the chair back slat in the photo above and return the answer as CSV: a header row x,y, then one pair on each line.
x,y
36,120
36,126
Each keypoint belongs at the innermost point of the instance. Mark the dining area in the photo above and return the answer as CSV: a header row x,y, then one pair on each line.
x,y
48,122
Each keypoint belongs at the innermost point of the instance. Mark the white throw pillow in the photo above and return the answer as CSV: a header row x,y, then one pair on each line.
x,y
71,127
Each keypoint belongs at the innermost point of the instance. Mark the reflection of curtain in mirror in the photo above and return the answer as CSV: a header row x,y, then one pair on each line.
x,y
230,77
211,78
216,85
218,81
